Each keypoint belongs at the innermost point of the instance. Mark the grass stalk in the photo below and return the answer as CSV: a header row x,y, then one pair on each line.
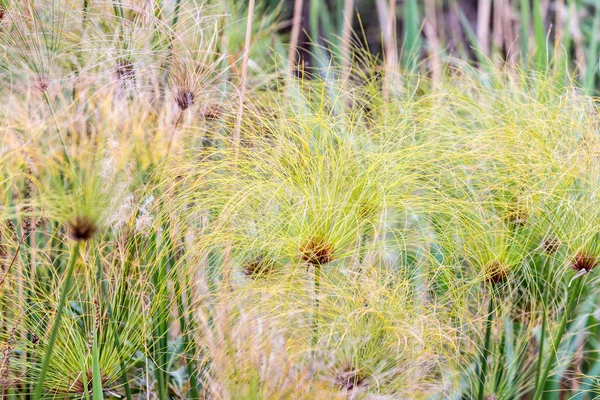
x,y
160,319
484,11
317,293
174,22
591,69
412,27
525,28
313,26
573,296
60,133
545,263
188,344
541,47
346,56
295,35
117,340
244,74
541,346
483,362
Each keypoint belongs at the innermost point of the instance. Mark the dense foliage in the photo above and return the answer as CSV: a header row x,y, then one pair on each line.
x,y
185,215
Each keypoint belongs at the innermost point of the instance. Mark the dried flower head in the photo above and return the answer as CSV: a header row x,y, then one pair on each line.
x,y
211,112
11,226
259,267
41,82
317,251
496,272
184,98
517,215
519,218
349,377
551,245
82,227
185,82
35,340
584,262
6,358
124,69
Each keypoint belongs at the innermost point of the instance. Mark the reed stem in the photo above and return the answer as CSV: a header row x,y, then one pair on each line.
x,y
573,295
483,363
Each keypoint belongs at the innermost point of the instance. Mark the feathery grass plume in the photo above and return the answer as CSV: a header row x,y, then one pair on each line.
x,y
191,78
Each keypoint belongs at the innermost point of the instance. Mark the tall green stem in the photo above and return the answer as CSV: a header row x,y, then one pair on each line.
x,y
483,363
317,284
57,321
117,340
544,322
573,295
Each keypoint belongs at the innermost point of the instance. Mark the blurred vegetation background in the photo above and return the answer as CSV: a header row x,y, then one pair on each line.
x,y
546,35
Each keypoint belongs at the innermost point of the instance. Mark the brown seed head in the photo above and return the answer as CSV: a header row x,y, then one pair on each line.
x,y
348,377
211,112
317,251
41,82
11,226
34,338
551,245
517,215
260,267
82,228
124,70
184,98
582,261
496,272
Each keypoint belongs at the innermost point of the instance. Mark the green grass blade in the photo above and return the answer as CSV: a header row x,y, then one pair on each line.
x,y
525,28
592,54
541,47
96,375
412,27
